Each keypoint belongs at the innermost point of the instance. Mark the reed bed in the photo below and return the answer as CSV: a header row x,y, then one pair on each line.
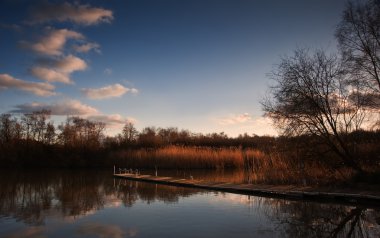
x,y
178,157
276,168
255,165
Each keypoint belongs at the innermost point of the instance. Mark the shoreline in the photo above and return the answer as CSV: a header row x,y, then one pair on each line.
x,y
369,198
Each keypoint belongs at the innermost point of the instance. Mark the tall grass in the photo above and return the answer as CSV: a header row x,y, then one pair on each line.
x,y
278,168
255,165
178,157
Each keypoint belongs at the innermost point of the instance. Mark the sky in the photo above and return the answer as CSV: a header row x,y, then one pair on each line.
x,y
201,65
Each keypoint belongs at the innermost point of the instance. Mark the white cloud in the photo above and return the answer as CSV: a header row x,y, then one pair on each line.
x,y
235,119
39,89
53,42
59,70
76,13
68,107
134,90
115,90
84,48
111,120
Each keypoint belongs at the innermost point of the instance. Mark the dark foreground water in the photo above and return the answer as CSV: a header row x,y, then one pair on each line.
x,y
93,204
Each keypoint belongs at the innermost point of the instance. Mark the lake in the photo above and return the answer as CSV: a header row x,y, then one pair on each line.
x,y
91,203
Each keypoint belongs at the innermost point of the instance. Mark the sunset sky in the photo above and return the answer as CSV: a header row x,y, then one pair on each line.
x,y
200,65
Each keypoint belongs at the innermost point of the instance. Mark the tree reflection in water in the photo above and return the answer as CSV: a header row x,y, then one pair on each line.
x,y
31,197
131,191
311,219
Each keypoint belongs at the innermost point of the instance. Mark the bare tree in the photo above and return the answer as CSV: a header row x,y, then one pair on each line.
x,y
6,128
130,133
358,35
50,134
312,97
81,133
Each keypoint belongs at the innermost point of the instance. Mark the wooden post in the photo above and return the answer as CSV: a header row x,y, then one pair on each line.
x,y
114,169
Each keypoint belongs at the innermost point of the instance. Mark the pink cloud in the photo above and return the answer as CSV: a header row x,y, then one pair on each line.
x,y
235,119
76,13
84,48
39,89
59,70
53,42
115,90
68,107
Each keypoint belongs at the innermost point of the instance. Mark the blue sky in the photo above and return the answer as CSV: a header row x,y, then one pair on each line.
x,y
198,65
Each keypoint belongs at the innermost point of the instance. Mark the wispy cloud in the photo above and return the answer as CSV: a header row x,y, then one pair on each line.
x,y
76,13
112,120
68,107
115,90
50,75
53,42
59,70
72,107
235,119
14,27
84,48
39,89
107,71
70,64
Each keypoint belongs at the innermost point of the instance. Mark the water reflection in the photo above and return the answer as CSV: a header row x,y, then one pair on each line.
x,y
323,220
31,196
131,191
101,230
38,199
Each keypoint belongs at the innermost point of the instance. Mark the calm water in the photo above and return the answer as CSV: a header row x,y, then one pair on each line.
x,y
94,204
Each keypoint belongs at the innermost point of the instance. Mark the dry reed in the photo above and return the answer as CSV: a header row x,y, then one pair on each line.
x,y
256,166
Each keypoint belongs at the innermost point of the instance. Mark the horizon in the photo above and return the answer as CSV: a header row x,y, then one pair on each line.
x,y
196,65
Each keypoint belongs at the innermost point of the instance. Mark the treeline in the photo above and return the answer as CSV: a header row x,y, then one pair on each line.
x,y
32,139
152,137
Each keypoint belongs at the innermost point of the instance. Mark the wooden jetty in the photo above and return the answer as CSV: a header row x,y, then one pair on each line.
x,y
346,196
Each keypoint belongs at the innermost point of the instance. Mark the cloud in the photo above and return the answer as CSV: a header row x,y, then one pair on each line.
x,y
70,64
13,27
72,107
68,107
76,13
235,119
52,43
107,71
84,48
50,75
115,90
39,89
112,120
59,70
263,126
134,90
